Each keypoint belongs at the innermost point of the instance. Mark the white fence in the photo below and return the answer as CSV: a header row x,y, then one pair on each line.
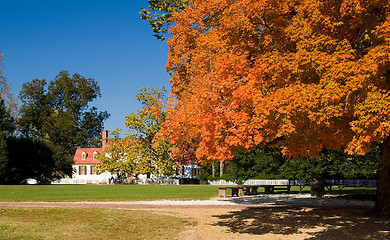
x,y
253,182
152,180
345,182
80,181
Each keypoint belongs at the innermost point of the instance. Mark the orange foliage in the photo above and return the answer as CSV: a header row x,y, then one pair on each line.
x,y
304,75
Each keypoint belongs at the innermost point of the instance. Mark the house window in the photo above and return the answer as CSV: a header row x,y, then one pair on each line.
x,y
93,172
82,170
95,155
83,155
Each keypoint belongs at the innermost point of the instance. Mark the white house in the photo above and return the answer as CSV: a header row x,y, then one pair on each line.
x,y
84,170
86,158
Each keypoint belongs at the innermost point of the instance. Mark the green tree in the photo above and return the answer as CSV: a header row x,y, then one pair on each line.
x,y
7,123
60,113
3,157
139,152
7,127
36,159
269,163
261,163
5,94
118,156
159,13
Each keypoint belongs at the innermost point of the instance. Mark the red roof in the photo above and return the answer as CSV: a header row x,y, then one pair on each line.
x,y
89,155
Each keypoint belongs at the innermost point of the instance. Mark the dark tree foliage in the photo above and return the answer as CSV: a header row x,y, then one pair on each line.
x,y
7,124
260,163
268,163
3,158
36,159
60,113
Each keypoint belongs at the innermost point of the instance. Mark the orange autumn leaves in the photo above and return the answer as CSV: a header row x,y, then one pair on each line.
x,y
302,75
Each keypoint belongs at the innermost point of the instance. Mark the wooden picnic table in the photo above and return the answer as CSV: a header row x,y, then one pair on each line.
x,y
241,190
253,189
236,191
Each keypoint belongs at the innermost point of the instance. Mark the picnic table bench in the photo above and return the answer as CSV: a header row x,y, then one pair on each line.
x,y
236,191
340,184
251,188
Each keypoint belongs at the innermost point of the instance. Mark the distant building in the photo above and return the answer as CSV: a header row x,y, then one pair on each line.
x,y
187,169
86,158
84,166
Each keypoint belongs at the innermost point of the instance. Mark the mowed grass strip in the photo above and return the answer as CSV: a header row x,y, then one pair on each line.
x,y
73,193
86,223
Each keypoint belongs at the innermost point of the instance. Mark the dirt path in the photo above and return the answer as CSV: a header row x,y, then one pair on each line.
x,y
283,223
261,221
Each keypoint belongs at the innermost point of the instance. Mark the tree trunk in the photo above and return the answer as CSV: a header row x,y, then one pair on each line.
x,y
383,200
221,168
317,187
213,169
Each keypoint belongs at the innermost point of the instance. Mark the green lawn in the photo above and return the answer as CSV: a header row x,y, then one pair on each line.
x,y
335,190
53,193
32,223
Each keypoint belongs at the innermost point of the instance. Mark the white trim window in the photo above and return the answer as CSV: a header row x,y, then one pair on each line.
x,y
84,155
82,170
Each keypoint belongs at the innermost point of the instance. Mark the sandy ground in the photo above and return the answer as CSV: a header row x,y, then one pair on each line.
x,y
283,216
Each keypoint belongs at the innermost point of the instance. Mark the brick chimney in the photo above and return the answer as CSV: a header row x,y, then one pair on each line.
x,y
104,138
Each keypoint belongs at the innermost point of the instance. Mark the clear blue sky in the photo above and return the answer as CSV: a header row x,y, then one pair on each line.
x,y
101,39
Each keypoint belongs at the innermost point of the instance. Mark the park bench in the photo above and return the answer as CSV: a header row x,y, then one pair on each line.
x,y
251,186
340,184
253,189
236,191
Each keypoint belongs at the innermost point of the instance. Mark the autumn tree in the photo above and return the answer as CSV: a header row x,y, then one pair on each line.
x,y
300,75
139,152
119,155
159,13
60,113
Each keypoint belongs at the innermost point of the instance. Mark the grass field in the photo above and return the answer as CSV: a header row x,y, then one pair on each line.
x,y
53,193
86,223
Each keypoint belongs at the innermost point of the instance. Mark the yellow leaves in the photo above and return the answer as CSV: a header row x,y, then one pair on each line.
x,y
373,118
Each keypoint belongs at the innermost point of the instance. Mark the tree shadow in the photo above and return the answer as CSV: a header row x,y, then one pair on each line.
x,y
299,201
318,223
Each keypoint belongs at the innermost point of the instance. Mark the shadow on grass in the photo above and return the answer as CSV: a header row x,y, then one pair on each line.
x,y
325,223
